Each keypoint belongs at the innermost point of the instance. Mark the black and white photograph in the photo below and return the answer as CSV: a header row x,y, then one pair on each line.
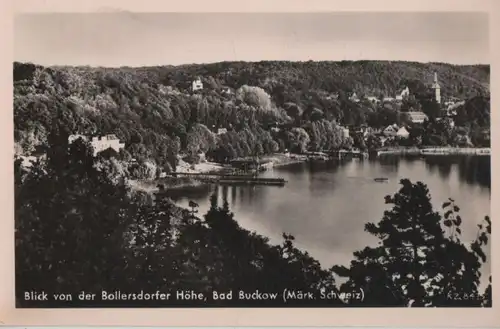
x,y
252,160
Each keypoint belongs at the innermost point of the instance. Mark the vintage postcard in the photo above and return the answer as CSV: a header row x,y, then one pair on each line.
x,y
330,163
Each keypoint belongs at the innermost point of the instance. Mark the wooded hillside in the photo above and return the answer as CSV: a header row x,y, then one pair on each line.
x,y
154,112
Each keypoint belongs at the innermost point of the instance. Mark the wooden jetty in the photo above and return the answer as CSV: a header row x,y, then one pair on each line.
x,y
233,179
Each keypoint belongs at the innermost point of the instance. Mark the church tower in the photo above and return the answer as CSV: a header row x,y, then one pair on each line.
x,y
437,89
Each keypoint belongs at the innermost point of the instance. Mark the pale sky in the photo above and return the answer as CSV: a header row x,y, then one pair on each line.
x,y
139,39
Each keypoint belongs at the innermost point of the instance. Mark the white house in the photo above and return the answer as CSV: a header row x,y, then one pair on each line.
x,y
354,97
100,144
221,131
388,99
345,132
373,99
404,93
332,96
417,116
106,142
391,130
403,133
27,161
451,110
196,84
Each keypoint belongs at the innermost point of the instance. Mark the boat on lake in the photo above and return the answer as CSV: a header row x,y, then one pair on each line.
x,y
381,179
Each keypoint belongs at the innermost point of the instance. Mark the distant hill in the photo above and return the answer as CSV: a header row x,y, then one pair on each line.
x,y
365,77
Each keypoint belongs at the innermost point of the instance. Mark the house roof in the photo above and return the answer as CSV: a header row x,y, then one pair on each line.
x,y
417,115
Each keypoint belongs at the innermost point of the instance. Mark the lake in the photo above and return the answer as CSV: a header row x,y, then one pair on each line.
x,y
325,205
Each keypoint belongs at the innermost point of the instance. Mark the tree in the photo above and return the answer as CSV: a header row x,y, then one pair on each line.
x,y
430,107
416,263
298,139
70,221
254,96
150,251
200,139
373,142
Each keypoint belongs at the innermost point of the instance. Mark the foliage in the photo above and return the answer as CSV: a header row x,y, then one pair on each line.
x,y
416,262
69,218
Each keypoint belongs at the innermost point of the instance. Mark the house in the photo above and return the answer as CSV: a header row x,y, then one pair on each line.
x,y
370,131
345,132
354,98
416,116
404,93
202,157
100,144
27,161
447,120
451,110
221,131
391,130
388,99
225,90
197,84
103,143
403,133
332,96
372,99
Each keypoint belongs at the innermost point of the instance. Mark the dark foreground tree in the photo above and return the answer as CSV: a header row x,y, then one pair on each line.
x,y
416,262
217,254
70,219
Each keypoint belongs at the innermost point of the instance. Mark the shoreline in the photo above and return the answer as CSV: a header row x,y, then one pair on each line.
x,y
440,150
283,160
173,183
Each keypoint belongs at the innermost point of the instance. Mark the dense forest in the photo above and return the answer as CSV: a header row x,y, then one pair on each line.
x,y
271,106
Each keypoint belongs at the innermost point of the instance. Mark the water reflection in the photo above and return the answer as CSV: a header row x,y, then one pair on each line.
x,y
233,194
440,164
475,170
326,205
389,163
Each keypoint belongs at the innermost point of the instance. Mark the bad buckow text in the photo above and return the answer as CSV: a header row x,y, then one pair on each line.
x,y
243,295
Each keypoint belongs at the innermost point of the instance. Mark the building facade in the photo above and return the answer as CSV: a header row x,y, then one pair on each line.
x,y
100,144
196,85
417,117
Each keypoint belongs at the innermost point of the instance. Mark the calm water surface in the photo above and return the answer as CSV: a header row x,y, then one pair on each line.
x,y
325,205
